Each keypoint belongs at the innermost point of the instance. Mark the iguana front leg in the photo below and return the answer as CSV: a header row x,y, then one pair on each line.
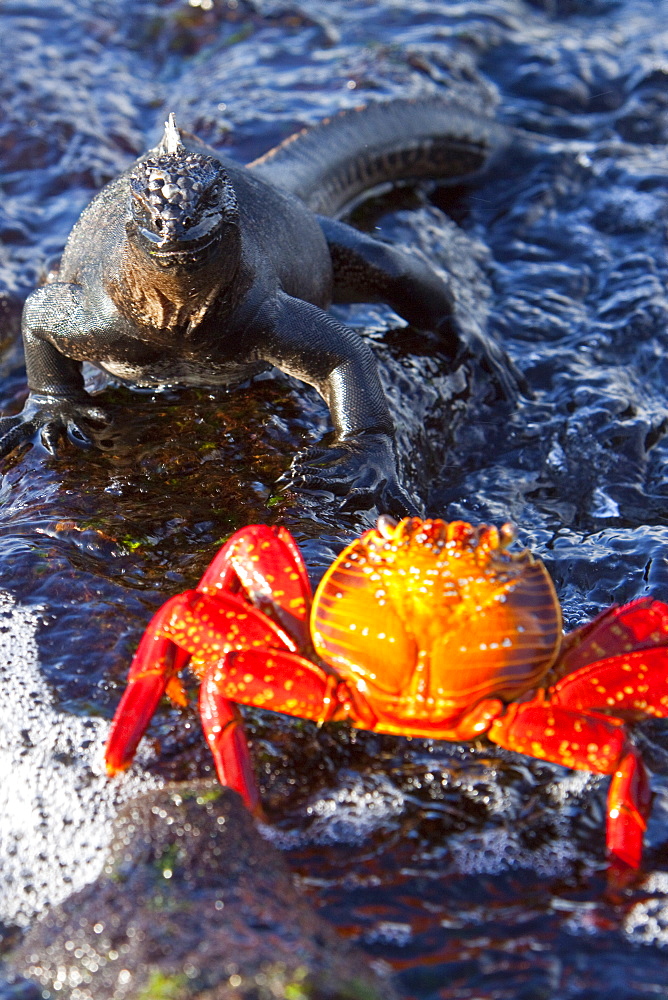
x,y
303,340
58,404
369,270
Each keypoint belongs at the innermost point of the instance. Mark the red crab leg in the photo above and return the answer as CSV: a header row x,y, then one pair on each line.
x,y
287,682
641,624
629,801
276,679
155,664
266,564
587,741
631,684
224,731
191,624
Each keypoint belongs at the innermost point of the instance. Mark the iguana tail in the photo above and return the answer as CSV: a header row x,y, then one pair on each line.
x,y
333,164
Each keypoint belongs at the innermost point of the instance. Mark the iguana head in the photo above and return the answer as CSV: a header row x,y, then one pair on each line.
x,y
182,204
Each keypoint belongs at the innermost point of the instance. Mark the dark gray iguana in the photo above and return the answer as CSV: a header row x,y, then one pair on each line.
x,y
191,269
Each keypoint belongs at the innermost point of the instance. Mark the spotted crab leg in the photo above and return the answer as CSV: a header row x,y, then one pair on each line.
x,y
588,741
224,732
640,624
265,565
191,625
629,804
277,679
612,669
289,683
633,685
153,669
259,567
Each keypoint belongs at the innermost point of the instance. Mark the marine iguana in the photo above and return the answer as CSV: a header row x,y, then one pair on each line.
x,y
192,269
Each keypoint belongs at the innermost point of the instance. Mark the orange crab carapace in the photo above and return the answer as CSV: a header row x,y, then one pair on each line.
x,y
421,628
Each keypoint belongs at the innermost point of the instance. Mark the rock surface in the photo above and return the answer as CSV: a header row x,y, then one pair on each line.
x,y
192,903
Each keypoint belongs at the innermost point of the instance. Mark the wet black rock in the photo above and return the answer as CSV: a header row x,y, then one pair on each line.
x,y
192,903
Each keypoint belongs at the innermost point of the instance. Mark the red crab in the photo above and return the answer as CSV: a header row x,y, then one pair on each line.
x,y
421,628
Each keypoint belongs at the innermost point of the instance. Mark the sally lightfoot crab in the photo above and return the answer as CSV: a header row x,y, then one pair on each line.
x,y
421,628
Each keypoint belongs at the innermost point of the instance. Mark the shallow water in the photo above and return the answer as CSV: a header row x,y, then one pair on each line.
x,y
476,873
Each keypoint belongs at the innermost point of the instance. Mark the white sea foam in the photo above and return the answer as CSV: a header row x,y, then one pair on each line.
x,y
56,803
348,814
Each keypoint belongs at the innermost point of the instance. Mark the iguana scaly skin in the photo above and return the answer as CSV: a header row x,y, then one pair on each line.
x,y
190,269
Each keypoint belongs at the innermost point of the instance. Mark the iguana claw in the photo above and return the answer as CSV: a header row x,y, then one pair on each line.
x,y
54,417
361,469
